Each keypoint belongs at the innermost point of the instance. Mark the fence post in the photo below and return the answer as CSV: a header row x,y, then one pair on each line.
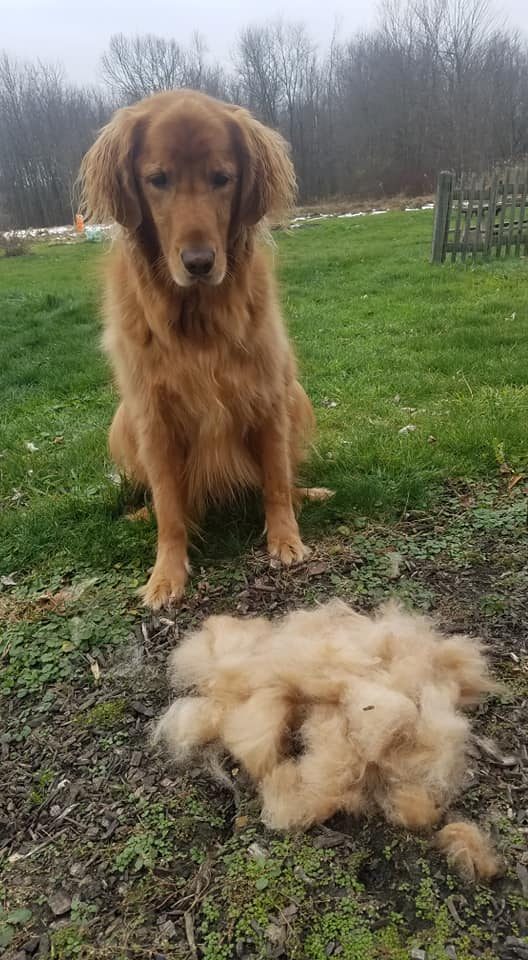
x,y
442,214
492,215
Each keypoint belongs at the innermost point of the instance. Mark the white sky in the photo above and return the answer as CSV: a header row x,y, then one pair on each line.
x,y
75,32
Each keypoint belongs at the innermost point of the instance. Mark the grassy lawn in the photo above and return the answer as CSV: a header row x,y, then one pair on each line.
x,y
385,342
419,378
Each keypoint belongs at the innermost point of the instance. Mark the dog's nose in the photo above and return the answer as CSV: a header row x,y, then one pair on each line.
x,y
198,262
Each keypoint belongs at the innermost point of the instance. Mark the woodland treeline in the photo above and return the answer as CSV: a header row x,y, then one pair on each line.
x,y
437,84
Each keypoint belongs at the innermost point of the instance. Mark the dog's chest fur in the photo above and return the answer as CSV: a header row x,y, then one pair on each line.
x,y
214,386
215,395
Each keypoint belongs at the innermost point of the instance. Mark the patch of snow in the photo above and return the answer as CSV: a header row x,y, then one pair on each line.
x,y
68,233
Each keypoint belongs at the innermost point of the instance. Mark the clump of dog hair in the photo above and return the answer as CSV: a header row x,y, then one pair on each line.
x,y
329,710
469,851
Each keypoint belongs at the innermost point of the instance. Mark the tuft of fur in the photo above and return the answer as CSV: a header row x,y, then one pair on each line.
x,y
469,851
374,702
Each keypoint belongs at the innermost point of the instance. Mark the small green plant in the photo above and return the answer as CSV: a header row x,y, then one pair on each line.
x,y
55,648
10,921
70,941
42,781
149,842
426,901
106,715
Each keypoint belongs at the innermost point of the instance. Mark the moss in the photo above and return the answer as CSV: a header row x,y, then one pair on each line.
x,y
107,715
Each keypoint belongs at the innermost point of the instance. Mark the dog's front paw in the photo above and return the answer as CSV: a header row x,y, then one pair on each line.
x,y
287,547
166,586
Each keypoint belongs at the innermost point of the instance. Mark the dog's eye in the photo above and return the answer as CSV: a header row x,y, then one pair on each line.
x,y
219,179
158,180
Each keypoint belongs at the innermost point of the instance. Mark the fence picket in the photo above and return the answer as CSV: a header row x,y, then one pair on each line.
x,y
513,207
522,208
481,215
469,215
503,191
456,235
479,197
492,213
442,217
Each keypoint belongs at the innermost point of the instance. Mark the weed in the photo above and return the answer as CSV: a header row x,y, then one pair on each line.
x,y
42,781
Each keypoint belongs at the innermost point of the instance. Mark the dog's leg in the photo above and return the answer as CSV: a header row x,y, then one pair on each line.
x,y
123,446
273,447
160,454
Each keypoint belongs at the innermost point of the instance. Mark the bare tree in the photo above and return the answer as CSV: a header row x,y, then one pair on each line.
x,y
256,67
45,127
434,85
135,67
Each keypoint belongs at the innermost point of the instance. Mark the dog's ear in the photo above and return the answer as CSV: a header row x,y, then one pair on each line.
x,y
107,181
267,185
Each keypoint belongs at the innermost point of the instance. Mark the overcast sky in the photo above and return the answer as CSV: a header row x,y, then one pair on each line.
x,y
75,32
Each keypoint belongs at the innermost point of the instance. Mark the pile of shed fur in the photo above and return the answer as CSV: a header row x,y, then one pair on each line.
x,y
329,710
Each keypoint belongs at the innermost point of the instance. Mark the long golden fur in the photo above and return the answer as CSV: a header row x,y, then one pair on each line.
x,y
329,710
210,400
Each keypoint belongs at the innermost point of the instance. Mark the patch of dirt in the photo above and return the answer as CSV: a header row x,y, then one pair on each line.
x,y
113,853
355,204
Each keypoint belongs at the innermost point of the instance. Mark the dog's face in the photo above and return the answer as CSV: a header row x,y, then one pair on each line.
x,y
194,171
187,170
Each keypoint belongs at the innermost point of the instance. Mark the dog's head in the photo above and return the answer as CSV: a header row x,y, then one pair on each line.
x,y
192,173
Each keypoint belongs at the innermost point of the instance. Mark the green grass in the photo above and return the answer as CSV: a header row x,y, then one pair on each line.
x,y
372,322
384,341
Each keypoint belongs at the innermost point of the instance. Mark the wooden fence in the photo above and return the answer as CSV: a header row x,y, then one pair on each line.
x,y
481,216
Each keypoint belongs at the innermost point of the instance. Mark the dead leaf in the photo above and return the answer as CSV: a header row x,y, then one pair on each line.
x,y
142,514
189,932
60,903
514,480
256,852
68,594
410,428
395,562
8,581
490,749
31,447
96,669
522,874
317,568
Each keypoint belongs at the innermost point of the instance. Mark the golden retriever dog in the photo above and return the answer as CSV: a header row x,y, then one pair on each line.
x,y
210,401
329,710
